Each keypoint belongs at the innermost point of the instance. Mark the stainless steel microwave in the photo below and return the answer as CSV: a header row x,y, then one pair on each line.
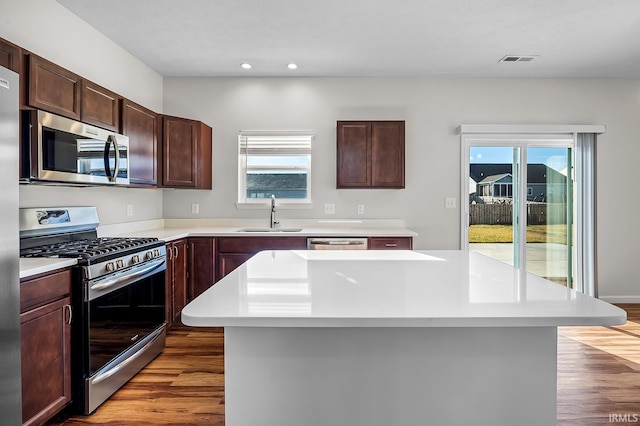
x,y
58,149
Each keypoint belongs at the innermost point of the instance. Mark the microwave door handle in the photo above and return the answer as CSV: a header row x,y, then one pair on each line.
x,y
107,166
112,176
116,169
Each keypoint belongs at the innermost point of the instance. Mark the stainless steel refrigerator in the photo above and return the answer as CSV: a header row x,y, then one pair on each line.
x,y
10,377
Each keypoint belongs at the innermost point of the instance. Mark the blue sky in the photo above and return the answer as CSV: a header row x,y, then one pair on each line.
x,y
556,158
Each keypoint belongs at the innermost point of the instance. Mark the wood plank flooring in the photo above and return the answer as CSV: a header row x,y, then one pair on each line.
x,y
598,379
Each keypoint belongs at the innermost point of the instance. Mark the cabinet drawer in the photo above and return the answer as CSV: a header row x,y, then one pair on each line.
x,y
38,291
256,244
394,243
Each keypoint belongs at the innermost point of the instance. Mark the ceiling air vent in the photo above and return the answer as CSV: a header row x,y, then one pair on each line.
x,y
518,58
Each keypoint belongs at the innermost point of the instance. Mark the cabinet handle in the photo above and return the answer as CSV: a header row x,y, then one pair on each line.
x,y
170,253
68,307
177,252
391,245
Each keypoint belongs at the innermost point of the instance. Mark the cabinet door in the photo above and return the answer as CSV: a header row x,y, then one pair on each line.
x,y
353,154
10,56
186,153
168,278
140,125
53,88
179,150
387,154
229,261
100,107
179,278
202,265
45,352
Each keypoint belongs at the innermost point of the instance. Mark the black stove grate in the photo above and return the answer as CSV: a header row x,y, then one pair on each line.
x,y
88,248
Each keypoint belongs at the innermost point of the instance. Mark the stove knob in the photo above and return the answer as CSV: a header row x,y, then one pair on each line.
x,y
149,255
119,264
156,253
135,259
110,266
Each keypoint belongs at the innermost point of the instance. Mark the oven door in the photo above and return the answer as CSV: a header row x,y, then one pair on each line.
x,y
124,314
71,151
124,329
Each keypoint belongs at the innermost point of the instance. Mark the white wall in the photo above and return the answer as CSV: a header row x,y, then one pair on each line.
x,y
432,108
47,29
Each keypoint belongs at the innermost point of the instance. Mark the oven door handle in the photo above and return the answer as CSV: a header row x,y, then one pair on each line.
x,y
110,372
110,283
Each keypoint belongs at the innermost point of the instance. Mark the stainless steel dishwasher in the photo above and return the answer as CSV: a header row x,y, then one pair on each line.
x,y
336,243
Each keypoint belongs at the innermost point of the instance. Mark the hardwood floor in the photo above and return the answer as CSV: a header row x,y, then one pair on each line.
x,y
183,386
598,380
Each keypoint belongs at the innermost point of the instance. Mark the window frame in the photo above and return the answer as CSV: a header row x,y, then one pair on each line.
x,y
242,200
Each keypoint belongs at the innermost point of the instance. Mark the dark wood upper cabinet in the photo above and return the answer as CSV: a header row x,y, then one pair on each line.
x,y
10,56
186,153
354,154
370,154
53,88
100,107
141,126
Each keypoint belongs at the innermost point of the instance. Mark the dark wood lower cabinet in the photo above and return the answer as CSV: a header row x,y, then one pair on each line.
x,y
227,262
390,243
176,280
234,251
45,330
202,265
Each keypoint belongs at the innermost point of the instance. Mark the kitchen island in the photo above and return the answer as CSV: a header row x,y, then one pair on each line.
x,y
390,338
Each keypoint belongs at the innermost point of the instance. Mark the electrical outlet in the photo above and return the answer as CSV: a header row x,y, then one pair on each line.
x,y
195,208
450,203
129,210
329,208
360,208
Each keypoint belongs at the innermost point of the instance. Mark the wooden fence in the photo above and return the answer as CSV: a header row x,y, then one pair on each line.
x,y
502,214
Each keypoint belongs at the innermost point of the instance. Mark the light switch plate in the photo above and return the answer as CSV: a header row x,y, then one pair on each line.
x,y
360,208
195,208
129,210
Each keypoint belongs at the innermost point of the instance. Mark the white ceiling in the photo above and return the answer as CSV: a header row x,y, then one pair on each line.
x,y
399,38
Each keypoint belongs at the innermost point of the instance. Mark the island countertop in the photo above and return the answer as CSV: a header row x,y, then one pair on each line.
x,y
444,288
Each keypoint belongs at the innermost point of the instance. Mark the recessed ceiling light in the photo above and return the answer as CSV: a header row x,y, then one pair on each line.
x,y
292,66
245,65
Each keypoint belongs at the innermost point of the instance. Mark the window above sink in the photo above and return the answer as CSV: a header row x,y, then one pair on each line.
x,y
274,163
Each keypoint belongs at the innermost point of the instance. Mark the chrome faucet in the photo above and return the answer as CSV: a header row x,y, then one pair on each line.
x,y
273,222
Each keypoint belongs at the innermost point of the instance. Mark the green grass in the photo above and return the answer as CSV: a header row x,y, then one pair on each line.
x,y
504,234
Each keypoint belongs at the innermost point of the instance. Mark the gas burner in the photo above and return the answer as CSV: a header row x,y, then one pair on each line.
x,y
89,248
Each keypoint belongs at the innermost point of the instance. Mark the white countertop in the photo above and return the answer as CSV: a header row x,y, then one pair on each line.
x,y
34,266
175,229
390,289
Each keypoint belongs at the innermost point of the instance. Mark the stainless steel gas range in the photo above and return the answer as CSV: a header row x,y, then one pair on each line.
x,y
118,297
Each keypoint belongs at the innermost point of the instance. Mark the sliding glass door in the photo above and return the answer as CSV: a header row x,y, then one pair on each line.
x,y
521,208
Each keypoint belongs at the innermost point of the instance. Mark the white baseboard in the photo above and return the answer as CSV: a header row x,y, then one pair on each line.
x,y
620,299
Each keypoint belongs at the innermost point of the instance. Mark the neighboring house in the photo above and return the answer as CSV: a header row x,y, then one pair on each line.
x,y
282,185
494,184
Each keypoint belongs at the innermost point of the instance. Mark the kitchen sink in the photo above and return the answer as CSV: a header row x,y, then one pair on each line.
x,y
269,229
